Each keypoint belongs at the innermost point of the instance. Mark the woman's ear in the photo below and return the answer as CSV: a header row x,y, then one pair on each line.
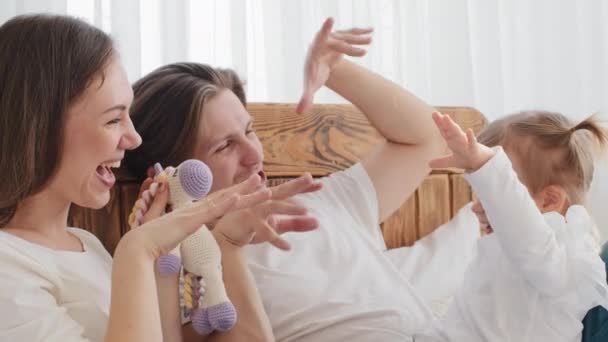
x,y
553,198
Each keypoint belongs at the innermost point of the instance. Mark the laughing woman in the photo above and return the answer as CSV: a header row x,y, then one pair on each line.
x,y
64,122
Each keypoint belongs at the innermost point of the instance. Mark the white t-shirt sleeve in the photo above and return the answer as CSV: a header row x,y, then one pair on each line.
x,y
526,238
28,310
352,191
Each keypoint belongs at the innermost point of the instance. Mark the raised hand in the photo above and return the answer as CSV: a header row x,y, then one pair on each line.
x,y
326,51
152,203
266,221
467,153
156,239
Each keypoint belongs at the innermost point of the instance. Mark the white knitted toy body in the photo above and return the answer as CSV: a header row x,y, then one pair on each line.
x,y
199,254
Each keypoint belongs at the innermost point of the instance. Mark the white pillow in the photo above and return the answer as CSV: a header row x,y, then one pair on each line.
x,y
435,265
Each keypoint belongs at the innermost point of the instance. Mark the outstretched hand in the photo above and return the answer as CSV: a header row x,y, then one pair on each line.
x,y
467,153
326,51
266,221
159,233
258,215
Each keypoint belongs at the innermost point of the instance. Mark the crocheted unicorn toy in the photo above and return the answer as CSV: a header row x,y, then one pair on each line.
x,y
205,297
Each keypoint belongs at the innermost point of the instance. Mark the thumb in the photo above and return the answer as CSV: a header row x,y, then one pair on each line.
x,y
159,203
145,186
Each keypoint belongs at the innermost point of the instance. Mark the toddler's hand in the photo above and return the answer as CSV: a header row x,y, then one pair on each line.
x,y
467,153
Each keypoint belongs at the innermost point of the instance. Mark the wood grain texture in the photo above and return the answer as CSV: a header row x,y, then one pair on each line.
x,y
328,139
460,192
401,228
433,203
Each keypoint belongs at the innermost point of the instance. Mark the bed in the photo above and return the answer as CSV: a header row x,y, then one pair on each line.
x,y
330,138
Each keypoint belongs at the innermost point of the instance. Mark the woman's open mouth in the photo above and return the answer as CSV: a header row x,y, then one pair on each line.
x,y
105,174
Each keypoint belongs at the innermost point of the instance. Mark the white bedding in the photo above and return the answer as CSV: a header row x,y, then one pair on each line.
x,y
435,265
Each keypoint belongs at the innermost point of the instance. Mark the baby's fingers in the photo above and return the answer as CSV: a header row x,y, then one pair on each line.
x,y
471,139
441,124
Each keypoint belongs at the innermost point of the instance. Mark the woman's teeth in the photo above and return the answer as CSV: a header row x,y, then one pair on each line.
x,y
112,165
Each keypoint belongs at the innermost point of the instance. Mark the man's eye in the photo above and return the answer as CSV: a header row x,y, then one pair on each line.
x,y
223,147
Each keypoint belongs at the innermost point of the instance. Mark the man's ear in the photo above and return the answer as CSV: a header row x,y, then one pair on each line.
x,y
553,198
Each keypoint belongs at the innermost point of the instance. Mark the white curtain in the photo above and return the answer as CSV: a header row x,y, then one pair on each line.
x,y
498,56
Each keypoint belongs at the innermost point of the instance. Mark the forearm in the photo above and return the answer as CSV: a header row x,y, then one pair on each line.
x,y
253,323
168,299
134,314
397,114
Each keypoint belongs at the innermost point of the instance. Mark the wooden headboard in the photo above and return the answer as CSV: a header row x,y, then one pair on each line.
x,y
330,138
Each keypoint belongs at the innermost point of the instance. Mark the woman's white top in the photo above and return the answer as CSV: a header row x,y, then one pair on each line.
x,y
49,295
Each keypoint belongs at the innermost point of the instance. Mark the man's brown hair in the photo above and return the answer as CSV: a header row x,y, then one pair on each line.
x,y
167,108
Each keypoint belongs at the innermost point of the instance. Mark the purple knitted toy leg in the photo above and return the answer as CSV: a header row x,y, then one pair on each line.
x,y
169,264
220,317
200,322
